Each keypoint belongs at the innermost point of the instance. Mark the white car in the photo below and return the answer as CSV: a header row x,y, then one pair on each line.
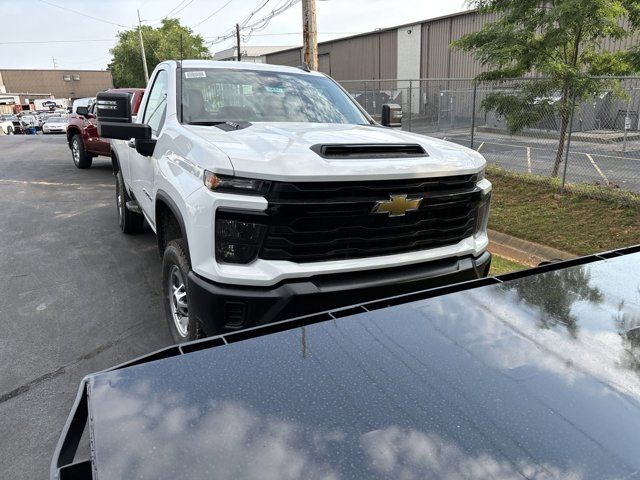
x,y
273,194
55,125
6,125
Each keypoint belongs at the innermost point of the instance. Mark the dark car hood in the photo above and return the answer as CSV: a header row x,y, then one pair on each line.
x,y
533,378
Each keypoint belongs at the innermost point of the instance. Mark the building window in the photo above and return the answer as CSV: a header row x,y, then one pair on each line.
x,y
76,76
66,78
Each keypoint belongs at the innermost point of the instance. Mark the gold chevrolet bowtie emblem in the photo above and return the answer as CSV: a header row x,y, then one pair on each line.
x,y
397,205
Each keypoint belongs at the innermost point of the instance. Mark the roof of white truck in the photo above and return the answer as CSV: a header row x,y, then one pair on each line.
x,y
241,66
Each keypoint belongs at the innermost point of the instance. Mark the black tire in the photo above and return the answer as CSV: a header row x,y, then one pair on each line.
x,y
130,222
81,158
175,269
10,130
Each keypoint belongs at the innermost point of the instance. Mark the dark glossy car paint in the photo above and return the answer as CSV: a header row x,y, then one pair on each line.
x,y
533,375
87,126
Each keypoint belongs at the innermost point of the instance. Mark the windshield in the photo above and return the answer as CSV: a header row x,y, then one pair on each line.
x,y
219,95
57,120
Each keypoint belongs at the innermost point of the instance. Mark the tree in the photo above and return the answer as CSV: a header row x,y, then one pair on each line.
x,y
162,43
554,293
558,41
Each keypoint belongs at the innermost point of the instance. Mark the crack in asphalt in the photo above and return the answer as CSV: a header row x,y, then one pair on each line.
x,y
24,388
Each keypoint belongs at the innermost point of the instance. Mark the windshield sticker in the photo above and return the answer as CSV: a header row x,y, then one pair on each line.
x,y
274,89
247,89
196,74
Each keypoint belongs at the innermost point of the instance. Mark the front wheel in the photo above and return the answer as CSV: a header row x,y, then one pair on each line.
x,y
175,269
10,130
130,222
81,158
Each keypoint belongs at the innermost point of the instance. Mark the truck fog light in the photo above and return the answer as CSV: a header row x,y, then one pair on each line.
x,y
482,217
238,241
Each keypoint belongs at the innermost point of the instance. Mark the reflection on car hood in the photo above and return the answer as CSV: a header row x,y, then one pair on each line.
x,y
534,378
282,151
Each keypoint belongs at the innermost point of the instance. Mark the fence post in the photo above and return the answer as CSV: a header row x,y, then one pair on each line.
x,y
566,153
473,111
365,97
410,102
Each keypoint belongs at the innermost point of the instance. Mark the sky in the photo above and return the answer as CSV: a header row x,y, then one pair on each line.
x,y
41,33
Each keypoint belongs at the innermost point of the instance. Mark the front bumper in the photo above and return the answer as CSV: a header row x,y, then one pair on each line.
x,y
221,308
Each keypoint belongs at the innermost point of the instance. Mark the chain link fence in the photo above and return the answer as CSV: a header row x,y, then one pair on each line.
x,y
601,143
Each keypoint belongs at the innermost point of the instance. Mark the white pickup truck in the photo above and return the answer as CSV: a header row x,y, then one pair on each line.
x,y
273,194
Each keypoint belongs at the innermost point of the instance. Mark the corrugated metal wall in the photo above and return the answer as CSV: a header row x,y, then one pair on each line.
x,y
440,61
291,58
374,56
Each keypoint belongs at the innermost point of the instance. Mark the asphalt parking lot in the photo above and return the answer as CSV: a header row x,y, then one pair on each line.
x,y
593,163
78,295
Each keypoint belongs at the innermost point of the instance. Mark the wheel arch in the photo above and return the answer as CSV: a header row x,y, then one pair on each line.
x,y
115,161
71,131
169,222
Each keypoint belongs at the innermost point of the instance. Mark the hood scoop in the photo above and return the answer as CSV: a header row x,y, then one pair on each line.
x,y
369,150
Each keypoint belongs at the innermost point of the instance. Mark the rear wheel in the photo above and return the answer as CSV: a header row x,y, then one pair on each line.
x,y
130,222
81,158
9,130
175,271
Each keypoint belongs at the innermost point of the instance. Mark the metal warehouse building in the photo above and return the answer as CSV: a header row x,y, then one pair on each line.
x,y
418,50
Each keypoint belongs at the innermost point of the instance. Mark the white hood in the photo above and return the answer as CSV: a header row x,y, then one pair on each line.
x,y
281,151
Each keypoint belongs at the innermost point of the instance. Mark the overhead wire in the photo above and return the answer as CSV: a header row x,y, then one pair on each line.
x,y
257,25
210,16
25,42
46,2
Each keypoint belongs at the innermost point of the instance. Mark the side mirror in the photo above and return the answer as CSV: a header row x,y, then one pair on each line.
x,y
145,147
84,111
391,115
114,118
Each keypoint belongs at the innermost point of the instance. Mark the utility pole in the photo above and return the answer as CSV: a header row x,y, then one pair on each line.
x,y
55,64
144,57
309,34
238,42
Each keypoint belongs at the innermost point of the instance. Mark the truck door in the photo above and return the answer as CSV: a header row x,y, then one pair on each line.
x,y
143,168
94,143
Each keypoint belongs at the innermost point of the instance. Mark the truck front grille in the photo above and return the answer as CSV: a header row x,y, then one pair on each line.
x,y
310,222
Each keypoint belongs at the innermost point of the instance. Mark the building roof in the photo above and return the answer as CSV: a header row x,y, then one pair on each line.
x,y
249,51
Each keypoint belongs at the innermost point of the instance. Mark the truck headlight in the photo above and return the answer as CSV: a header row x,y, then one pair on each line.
x,y
238,241
482,217
229,184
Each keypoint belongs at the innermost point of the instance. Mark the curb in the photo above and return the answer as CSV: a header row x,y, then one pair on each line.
x,y
524,251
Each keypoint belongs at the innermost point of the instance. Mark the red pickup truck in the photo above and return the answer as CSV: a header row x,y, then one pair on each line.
x,y
82,132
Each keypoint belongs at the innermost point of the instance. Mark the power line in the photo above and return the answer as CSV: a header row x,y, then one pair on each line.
x,y
295,33
174,9
25,42
207,18
83,14
257,25
173,12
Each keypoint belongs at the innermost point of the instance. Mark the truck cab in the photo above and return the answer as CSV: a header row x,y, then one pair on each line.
x,y
82,132
274,194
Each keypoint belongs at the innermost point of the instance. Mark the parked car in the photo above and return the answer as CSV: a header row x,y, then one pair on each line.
x,y
82,133
534,375
273,193
54,125
6,125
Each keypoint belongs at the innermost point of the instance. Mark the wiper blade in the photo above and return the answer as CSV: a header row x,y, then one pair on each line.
x,y
206,123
